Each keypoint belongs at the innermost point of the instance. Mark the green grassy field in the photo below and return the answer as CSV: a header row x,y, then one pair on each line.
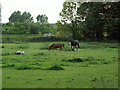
x,y
95,65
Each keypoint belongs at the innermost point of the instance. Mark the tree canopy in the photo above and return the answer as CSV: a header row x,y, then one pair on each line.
x,y
42,19
18,17
93,20
22,23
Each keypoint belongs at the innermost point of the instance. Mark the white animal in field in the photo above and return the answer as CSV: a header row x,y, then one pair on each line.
x,y
19,52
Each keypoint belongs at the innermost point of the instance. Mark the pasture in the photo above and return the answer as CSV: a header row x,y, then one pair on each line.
x,y
95,65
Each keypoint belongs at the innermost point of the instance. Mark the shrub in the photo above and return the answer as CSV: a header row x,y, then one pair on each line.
x,y
22,67
8,65
56,67
89,60
74,60
106,62
35,67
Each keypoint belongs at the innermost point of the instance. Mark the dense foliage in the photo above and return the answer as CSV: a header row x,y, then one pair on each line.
x,y
25,28
18,17
24,24
93,20
87,21
42,19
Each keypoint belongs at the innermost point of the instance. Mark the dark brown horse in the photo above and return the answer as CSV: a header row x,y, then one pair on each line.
x,y
56,45
74,44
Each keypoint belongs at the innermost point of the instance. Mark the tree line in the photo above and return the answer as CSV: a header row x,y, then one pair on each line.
x,y
86,20
17,16
91,20
23,23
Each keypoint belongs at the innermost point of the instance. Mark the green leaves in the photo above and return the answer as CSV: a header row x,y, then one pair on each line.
x,y
95,18
18,17
42,19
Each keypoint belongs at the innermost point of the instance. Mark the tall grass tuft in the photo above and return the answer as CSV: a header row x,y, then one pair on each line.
x,y
23,46
22,67
56,67
101,82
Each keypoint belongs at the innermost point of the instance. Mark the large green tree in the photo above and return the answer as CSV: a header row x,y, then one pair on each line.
x,y
18,17
112,20
15,17
42,19
23,24
69,16
91,13
100,19
92,20
26,16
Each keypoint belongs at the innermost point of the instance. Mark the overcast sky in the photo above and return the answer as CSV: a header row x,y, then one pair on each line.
x,y
51,8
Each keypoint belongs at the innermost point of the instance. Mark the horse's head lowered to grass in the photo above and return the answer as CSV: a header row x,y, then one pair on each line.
x,y
74,44
56,45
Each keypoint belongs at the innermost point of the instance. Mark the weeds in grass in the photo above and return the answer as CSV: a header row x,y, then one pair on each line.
x,y
65,64
101,82
23,46
56,67
93,62
36,63
74,60
44,48
89,60
22,67
106,62
38,54
25,67
84,65
6,54
8,65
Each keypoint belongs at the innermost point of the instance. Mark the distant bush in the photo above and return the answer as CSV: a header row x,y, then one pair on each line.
x,y
32,38
51,38
22,67
75,60
13,39
56,67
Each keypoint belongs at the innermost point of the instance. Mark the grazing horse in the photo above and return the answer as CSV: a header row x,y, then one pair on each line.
x,y
56,45
74,44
